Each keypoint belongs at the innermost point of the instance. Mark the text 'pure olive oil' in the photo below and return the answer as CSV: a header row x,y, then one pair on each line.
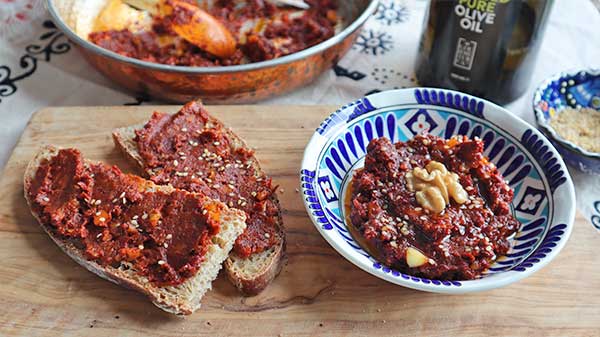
x,y
483,47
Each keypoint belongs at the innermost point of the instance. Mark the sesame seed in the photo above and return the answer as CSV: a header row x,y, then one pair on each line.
x,y
122,195
216,186
166,245
141,246
115,200
135,217
101,219
204,211
134,222
98,202
98,213
145,216
45,199
267,235
216,143
230,204
161,262
99,235
182,153
253,193
175,162
124,201
169,236
184,129
244,204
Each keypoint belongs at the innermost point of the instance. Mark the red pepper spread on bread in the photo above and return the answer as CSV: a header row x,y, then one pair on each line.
x,y
117,222
263,32
458,240
192,151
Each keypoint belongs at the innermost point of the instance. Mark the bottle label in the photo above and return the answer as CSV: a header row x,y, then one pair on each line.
x,y
479,24
465,53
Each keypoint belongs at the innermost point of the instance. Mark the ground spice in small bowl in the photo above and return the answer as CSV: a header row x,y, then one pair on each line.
x,y
579,126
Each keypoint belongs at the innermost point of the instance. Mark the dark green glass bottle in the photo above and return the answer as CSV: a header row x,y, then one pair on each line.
x,y
483,47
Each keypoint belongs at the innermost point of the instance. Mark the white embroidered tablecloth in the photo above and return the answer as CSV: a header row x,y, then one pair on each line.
x,y
39,68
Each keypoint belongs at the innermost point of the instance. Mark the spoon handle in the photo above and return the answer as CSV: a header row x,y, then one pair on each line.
x,y
294,3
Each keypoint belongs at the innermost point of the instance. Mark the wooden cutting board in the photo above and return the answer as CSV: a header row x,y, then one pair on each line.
x,y
43,292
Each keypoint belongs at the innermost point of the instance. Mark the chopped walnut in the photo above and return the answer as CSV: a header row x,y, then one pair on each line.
x,y
434,185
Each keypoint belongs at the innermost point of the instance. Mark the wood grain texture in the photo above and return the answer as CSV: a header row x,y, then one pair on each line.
x,y
44,293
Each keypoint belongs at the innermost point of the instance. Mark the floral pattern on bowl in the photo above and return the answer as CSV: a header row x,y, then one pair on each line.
x,y
544,196
579,89
595,218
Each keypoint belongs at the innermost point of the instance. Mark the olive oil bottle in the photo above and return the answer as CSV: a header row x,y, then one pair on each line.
x,y
483,47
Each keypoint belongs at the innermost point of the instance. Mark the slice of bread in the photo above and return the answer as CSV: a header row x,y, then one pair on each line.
x,y
182,299
250,275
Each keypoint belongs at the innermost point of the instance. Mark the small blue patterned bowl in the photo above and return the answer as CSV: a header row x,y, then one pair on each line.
x,y
544,199
569,90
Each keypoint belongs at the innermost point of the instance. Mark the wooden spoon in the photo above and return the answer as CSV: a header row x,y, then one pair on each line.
x,y
201,29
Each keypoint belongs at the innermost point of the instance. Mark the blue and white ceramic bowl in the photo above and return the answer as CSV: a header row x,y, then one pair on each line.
x,y
595,218
544,199
569,90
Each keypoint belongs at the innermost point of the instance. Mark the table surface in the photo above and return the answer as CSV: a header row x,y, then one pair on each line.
x,y
44,293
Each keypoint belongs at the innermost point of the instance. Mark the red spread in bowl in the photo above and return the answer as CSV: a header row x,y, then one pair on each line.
x,y
275,32
458,243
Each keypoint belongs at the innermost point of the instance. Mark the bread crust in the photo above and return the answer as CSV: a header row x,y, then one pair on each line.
x,y
182,299
271,261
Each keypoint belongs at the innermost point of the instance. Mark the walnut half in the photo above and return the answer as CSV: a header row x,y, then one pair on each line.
x,y
434,185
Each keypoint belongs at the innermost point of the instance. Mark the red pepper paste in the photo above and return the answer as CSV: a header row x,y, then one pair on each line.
x,y
192,151
115,221
460,242
277,33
